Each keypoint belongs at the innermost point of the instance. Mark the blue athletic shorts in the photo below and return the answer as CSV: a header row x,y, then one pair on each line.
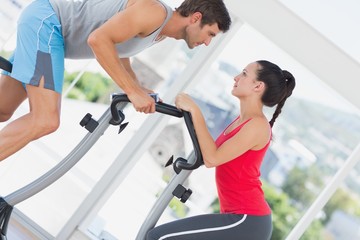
x,y
39,48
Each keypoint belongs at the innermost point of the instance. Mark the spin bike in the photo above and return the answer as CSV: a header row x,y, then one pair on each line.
x,y
112,116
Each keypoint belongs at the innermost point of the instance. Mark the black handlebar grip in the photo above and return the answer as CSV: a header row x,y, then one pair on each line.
x,y
198,155
168,109
159,107
5,64
116,117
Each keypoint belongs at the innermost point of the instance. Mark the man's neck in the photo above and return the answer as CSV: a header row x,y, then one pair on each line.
x,y
174,27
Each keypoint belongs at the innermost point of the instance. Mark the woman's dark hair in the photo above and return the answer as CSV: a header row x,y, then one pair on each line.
x,y
213,11
279,85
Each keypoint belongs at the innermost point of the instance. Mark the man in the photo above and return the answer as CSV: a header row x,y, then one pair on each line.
x,y
109,30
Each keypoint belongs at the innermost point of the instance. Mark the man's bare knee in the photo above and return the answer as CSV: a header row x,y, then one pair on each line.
x,y
45,126
45,109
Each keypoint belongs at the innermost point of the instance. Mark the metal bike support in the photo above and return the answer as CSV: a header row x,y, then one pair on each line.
x,y
97,129
183,169
65,165
164,199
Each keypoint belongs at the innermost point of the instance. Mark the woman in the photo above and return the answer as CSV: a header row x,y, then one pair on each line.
x,y
237,155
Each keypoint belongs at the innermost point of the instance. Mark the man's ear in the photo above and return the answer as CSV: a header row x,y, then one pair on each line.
x,y
195,17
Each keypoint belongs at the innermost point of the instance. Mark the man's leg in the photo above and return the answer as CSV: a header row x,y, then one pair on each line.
x,y
12,94
43,119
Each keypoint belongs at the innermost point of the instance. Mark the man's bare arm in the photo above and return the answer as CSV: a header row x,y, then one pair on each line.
x,y
128,23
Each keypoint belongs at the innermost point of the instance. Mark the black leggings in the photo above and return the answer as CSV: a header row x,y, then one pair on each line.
x,y
215,226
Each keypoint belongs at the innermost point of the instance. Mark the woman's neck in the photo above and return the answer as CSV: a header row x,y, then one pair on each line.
x,y
250,109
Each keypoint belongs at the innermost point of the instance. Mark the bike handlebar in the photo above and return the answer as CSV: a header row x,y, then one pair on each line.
x,y
5,64
159,107
169,110
199,159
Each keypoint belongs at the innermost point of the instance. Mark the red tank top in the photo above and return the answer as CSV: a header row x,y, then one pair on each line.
x,y
238,181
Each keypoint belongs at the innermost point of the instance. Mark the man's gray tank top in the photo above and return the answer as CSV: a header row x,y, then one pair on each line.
x,y
78,18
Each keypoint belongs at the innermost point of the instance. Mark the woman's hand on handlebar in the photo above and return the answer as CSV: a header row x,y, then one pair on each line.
x,y
184,102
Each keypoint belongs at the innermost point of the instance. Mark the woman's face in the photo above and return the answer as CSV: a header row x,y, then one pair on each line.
x,y
246,81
